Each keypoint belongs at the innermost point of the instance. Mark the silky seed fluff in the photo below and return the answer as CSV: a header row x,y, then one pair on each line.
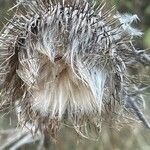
x,y
67,62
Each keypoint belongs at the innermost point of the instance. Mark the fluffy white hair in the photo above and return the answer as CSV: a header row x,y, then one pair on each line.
x,y
68,62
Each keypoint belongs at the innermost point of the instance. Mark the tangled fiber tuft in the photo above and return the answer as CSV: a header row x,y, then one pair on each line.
x,y
69,62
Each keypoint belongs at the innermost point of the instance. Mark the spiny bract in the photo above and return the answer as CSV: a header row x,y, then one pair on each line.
x,y
67,62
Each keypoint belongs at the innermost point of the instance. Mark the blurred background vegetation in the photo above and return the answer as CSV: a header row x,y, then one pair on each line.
x,y
110,139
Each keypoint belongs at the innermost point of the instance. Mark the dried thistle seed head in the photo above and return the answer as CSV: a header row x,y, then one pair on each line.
x,y
67,62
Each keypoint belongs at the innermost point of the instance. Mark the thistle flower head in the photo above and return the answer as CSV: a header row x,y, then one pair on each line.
x,y
68,62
